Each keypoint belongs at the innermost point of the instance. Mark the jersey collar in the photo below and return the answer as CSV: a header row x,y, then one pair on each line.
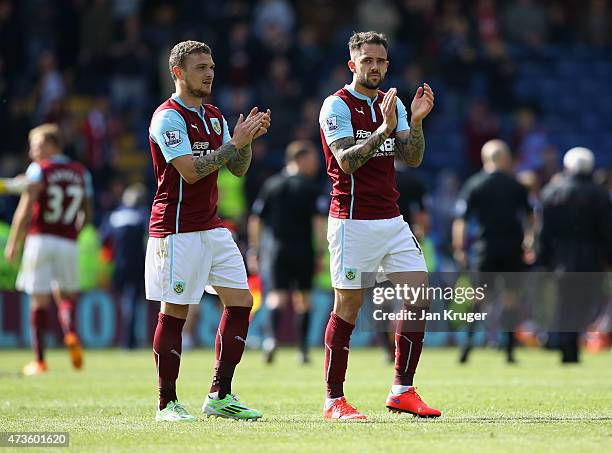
x,y
199,111
363,97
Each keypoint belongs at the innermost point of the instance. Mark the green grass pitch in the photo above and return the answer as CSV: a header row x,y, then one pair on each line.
x,y
536,405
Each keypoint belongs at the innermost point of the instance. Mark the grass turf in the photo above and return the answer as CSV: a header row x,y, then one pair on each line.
x,y
536,405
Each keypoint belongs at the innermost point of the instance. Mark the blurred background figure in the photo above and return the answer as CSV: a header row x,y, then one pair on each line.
x,y
125,231
287,239
498,206
53,209
575,240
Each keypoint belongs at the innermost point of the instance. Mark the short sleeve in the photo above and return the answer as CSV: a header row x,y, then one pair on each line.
x,y
169,131
226,135
402,117
260,203
34,173
464,206
335,119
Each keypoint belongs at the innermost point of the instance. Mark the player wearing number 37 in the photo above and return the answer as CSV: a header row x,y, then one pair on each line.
x,y
51,212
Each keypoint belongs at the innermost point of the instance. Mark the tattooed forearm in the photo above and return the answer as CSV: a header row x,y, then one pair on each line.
x,y
239,164
410,145
205,165
351,156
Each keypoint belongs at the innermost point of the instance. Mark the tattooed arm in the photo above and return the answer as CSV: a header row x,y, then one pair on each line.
x,y
192,169
410,145
239,164
351,156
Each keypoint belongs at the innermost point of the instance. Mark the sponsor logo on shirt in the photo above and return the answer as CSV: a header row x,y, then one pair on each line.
x,y
200,149
331,123
216,125
385,149
172,138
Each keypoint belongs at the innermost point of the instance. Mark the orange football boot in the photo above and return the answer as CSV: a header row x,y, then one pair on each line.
x,y
71,340
342,410
411,403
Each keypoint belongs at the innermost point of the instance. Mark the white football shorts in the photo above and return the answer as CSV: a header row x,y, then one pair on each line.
x,y
178,267
358,246
49,262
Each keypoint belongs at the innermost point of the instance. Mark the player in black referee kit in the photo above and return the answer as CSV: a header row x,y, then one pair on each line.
x,y
499,206
288,213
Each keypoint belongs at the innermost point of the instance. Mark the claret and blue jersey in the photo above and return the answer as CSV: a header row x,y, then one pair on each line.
x,y
369,193
177,130
66,185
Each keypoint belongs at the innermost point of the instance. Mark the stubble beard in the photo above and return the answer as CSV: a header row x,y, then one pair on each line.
x,y
363,81
197,92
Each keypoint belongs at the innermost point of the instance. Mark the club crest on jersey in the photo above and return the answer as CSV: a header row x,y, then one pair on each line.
x,y
350,273
179,286
172,138
216,124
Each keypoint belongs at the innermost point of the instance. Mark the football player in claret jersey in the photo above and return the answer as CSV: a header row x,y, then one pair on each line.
x,y
55,205
188,247
363,130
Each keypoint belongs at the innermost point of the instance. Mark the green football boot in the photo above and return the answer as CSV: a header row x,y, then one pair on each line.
x,y
174,412
229,407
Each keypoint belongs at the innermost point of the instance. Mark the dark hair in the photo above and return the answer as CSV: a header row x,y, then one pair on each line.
x,y
179,53
297,149
359,38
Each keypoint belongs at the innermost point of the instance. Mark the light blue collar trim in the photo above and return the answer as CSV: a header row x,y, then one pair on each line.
x,y
193,109
363,97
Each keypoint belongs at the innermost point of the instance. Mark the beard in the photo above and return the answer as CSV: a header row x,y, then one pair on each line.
x,y
363,81
197,92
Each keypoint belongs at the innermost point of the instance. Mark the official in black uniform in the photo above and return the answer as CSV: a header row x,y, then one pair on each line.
x,y
575,241
288,212
498,204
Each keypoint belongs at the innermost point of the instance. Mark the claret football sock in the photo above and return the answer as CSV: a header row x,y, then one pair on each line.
x,y
67,312
408,347
167,344
337,339
38,322
229,346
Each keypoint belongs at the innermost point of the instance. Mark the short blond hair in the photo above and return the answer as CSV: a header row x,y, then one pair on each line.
x,y
182,50
49,132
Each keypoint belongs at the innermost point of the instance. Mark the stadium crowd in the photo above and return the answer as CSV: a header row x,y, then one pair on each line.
x,y
534,73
